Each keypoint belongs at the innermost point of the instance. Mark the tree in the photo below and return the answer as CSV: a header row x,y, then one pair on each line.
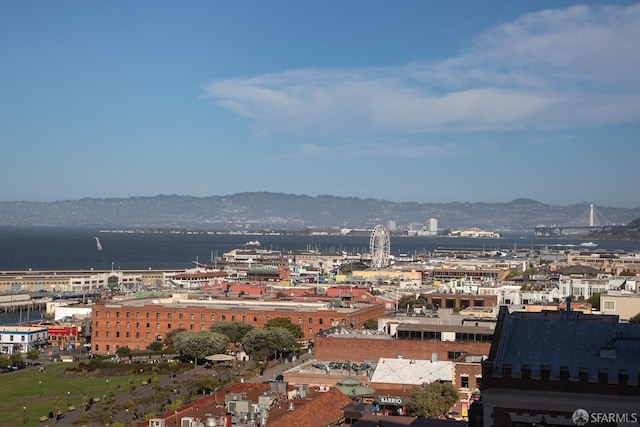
x,y
4,362
200,344
283,322
16,359
261,343
168,339
594,300
123,352
432,400
33,355
371,324
635,319
235,331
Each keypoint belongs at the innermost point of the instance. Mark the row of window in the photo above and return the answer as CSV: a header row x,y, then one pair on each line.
x,y
223,318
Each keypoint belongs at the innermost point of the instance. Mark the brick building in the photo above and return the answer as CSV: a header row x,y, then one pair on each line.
x,y
138,323
415,341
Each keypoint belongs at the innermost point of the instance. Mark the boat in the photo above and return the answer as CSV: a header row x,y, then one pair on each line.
x,y
252,243
588,245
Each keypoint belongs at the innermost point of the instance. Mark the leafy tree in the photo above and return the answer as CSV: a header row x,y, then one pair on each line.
x,y
286,323
123,351
594,300
16,359
200,344
261,343
433,400
4,362
168,339
155,346
635,319
234,330
33,355
371,324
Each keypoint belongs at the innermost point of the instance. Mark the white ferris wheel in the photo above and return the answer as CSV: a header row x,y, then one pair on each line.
x,y
380,247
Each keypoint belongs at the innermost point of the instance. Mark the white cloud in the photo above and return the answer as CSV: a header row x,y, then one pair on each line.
x,y
553,69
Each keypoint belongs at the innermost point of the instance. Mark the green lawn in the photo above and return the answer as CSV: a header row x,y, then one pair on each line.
x,y
37,391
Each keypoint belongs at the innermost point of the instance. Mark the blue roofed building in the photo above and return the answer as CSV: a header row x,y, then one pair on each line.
x,y
544,367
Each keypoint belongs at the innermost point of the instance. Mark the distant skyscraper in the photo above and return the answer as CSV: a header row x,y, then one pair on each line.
x,y
391,225
432,227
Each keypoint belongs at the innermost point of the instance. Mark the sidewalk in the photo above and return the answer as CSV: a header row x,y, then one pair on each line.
x,y
121,397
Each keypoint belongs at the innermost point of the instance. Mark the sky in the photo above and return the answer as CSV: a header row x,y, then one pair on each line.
x,y
412,101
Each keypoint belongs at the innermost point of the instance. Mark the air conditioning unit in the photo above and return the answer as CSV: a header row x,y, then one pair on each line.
x,y
156,422
186,421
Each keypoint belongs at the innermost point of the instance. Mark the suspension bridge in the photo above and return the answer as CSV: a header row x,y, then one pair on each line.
x,y
590,220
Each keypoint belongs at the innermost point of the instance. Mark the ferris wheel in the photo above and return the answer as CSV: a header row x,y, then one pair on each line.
x,y
380,247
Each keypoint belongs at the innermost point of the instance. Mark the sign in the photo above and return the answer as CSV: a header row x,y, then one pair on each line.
x,y
391,400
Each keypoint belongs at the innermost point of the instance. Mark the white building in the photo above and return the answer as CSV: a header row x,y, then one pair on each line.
x,y
21,339
432,227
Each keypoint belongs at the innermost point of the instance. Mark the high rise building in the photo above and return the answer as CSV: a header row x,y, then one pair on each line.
x,y
432,227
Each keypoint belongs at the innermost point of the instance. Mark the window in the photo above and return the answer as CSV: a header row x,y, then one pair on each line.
x,y
128,334
128,325
311,320
181,316
244,319
320,321
98,313
213,317
157,315
97,324
191,327
224,317
117,314
117,334
108,314
117,325
137,314
128,315
108,325
609,305
192,317
148,315
202,317
464,381
299,320
255,318
157,326
233,317
169,316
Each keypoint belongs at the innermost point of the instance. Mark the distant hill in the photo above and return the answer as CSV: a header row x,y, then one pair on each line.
x,y
630,231
278,211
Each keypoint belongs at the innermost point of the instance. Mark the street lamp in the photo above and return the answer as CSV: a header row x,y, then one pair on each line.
x,y
107,386
68,398
24,415
127,411
40,388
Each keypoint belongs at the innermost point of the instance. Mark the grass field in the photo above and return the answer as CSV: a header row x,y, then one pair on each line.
x,y
29,394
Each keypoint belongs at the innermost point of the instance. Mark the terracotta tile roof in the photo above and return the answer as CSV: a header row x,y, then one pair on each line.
x,y
323,410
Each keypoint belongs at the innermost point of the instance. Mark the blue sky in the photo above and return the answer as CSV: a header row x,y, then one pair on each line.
x,y
425,101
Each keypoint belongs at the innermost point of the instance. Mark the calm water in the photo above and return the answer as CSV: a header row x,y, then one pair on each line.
x,y
61,249
71,249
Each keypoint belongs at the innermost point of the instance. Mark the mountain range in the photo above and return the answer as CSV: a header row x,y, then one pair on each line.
x,y
261,211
